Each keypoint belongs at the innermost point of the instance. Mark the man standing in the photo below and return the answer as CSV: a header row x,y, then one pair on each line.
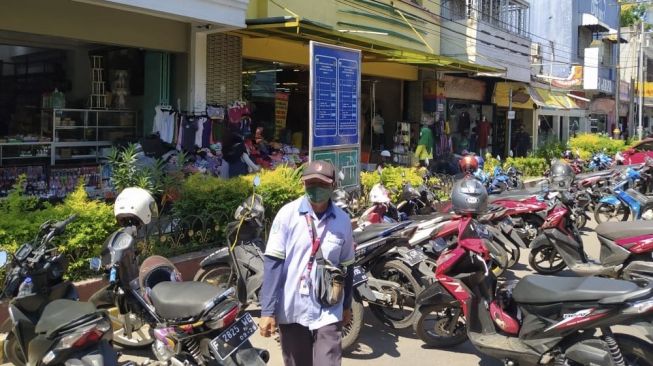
x,y
310,331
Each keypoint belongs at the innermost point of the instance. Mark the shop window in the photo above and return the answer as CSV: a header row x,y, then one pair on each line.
x,y
454,9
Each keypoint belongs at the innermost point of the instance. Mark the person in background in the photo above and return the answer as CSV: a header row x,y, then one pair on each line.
x,y
424,150
522,142
310,332
483,130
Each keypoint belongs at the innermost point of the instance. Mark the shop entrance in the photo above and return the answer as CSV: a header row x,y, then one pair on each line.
x,y
65,103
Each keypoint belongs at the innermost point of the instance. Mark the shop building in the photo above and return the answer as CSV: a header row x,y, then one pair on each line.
x,y
574,53
400,46
78,77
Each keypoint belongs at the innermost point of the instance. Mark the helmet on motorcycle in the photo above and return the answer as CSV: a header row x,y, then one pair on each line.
x,y
251,209
378,194
468,164
568,155
135,206
561,175
154,270
386,154
469,196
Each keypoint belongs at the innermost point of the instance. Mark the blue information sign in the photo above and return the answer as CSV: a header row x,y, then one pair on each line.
x,y
335,83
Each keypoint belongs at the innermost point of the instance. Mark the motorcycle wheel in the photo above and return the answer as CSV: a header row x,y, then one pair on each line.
x,y
581,220
352,331
606,212
543,254
12,351
141,337
432,327
219,275
402,314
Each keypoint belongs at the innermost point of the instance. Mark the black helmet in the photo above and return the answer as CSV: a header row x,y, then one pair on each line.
x,y
469,196
561,175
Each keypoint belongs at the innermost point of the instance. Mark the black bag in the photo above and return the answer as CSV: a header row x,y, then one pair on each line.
x,y
330,286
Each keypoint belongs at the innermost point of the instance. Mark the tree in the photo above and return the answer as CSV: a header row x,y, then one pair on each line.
x,y
633,15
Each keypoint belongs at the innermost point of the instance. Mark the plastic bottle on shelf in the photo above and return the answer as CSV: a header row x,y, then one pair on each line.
x,y
26,288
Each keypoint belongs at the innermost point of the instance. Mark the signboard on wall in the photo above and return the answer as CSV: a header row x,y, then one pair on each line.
x,y
334,108
591,79
280,112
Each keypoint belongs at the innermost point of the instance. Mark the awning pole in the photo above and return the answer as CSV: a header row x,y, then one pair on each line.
x,y
509,120
640,128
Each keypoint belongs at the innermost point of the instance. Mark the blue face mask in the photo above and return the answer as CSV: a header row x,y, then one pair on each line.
x,y
317,194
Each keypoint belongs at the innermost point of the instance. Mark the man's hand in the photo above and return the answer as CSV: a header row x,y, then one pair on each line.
x,y
346,317
268,326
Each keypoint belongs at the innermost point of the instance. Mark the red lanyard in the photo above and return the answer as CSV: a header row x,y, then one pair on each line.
x,y
315,241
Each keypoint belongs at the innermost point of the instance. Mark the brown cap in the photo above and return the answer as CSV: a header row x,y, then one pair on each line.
x,y
320,169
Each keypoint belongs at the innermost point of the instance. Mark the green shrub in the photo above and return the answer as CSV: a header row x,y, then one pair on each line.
x,y
392,178
83,238
125,172
552,149
529,166
278,187
593,143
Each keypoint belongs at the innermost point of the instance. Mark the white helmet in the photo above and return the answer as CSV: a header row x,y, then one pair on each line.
x,y
135,206
386,154
378,194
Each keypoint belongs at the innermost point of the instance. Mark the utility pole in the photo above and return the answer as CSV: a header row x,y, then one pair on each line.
x,y
617,72
640,128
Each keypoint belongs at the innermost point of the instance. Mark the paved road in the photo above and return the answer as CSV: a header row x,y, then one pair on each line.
x,y
381,346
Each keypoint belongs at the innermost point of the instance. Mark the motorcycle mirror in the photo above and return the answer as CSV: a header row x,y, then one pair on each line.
x,y
257,180
3,258
341,175
95,264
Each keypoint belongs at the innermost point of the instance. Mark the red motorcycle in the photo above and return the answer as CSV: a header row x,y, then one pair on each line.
x,y
538,320
626,249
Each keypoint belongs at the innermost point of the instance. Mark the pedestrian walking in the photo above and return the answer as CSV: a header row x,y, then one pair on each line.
x,y
307,283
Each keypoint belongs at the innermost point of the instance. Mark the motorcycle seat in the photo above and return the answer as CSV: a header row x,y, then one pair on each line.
x,y
60,314
536,289
619,230
374,230
179,300
518,194
643,199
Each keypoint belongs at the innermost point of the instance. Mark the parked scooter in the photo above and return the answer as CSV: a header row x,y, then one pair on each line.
x,y
48,325
627,202
192,322
538,320
624,249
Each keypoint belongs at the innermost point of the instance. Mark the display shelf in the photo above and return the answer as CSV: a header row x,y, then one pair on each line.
x,y
85,126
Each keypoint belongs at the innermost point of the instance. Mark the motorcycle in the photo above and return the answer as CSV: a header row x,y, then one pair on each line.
x,y
191,322
395,263
538,320
624,250
626,202
600,161
48,326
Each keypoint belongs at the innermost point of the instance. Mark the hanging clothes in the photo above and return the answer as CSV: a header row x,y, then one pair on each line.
x,y
164,124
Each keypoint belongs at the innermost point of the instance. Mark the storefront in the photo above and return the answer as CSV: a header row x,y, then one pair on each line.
x,y
78,78
601,115
515,133
559,115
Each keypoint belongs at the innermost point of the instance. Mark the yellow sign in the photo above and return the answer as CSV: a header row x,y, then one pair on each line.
x,y
281,112
648,89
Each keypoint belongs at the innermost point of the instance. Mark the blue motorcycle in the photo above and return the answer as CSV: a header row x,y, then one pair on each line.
x,y
626,201
600,161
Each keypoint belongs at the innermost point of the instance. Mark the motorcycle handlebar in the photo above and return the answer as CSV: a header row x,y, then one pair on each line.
x,y
60,226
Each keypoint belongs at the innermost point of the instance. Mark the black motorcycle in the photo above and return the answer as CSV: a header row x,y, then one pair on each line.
x,y
192,323
48,325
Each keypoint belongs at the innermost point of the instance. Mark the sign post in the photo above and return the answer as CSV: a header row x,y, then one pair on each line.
x,y
334,109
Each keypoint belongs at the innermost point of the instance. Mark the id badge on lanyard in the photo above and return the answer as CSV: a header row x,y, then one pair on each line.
x,y
305,282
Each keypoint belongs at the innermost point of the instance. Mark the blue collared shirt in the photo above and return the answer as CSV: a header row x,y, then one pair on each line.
x,y
291,241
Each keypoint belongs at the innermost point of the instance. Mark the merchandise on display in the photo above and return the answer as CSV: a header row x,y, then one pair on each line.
x,y
36,180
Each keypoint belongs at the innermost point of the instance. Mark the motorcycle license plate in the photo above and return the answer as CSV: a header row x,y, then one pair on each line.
x,y
359,275
415,256
233,337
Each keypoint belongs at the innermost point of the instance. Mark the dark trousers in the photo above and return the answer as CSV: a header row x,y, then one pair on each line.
x,y
304,347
